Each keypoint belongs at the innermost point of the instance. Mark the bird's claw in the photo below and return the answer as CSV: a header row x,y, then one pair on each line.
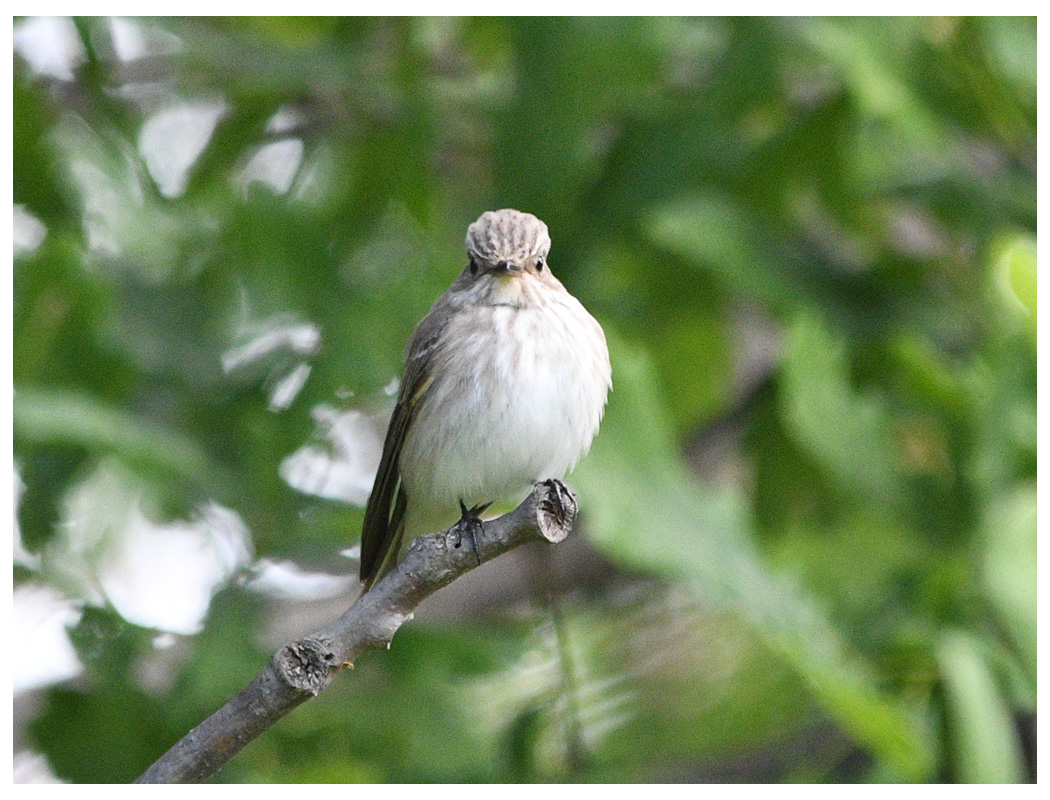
x,y
471,522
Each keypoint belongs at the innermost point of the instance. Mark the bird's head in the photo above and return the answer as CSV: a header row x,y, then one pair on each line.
x,y
507,244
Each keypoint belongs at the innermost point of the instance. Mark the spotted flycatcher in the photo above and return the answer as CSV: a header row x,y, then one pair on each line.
x,y
505,384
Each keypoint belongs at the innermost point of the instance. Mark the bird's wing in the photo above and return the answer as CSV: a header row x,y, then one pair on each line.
x,y
384,524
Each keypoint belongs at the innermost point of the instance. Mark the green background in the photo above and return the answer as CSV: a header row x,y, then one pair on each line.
x,y
807,545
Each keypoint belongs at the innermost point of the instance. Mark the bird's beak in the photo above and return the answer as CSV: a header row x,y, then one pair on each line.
x,y
506,268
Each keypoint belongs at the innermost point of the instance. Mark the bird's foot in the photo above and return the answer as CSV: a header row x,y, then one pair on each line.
x,y
560,502
470,521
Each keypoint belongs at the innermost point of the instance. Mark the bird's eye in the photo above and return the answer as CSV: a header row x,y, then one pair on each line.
x,y
539,264
473,267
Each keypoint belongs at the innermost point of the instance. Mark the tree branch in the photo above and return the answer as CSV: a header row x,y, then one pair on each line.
x,y
303,669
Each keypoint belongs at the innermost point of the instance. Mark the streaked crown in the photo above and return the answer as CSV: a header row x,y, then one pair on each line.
x,y
507,235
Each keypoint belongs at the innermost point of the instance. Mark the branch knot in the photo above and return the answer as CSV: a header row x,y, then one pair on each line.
x,y
306,665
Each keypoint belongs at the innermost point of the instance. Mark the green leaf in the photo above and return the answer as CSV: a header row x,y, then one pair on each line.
x,y
54,417
633,481
1008,570
985,745
867,62
715,232
1015,275
848,433
644,508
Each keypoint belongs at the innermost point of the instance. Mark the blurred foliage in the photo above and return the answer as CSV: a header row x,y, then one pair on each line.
x,y
812,245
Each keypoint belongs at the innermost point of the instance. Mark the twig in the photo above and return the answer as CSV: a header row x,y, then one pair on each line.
x,y
303,669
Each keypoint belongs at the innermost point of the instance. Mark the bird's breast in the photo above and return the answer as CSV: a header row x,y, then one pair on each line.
x,y
517,396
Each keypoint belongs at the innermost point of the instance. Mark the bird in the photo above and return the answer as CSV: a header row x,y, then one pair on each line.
x,y
505,384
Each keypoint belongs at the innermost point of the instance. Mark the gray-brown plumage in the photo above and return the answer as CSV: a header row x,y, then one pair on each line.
x,y
505,383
